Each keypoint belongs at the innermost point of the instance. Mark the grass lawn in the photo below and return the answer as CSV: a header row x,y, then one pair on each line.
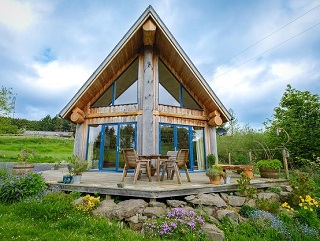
x,y
56,220
45,149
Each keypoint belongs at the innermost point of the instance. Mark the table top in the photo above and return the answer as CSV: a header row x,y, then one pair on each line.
x,y
153,156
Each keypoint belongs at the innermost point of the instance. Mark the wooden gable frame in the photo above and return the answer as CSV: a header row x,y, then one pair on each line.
x,y
148,30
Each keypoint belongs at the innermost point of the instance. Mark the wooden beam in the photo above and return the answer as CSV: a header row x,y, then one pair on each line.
x,y
184,116
149,32
78,110
114,114
213,114
215,121
76,118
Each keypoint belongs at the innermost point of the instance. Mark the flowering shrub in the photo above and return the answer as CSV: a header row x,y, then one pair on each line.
x,y
178,222
307,211
88,203
17,188
308,203
284,228
287,206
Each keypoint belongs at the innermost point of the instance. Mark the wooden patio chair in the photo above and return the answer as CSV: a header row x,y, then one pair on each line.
x,y
132,162
175,165
166,165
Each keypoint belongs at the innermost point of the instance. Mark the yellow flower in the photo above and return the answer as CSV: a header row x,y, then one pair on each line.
x,y
305,207
311,209
300,204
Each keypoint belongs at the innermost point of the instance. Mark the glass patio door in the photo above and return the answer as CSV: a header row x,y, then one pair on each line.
x,y
176,137
116,137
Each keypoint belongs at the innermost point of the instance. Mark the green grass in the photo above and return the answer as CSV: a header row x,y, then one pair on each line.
x,y
31,221
45,149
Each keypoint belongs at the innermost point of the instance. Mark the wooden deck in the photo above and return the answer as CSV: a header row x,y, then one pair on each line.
x,y
106,183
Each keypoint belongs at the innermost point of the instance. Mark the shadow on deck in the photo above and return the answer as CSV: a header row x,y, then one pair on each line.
x,y
106,183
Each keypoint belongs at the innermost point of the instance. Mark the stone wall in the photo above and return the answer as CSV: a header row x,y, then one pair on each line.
x,y
135,212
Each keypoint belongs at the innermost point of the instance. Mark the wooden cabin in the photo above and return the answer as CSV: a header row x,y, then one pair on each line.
x,y
147,95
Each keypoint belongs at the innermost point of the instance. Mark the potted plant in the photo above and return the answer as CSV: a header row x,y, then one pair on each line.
x,y
56,165
215,173
269,168
24,164
76,168
211,160
67,178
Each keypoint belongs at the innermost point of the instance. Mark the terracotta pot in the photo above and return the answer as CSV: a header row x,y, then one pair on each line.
x,y
216,180
269,173
22,168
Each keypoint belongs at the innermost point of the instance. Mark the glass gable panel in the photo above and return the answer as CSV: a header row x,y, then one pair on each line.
x,y
170,90
188,101
123,91
169,87
126,96
166,98
105,99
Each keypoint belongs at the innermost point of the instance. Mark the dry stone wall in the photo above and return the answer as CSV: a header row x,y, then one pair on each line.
x,y
135,212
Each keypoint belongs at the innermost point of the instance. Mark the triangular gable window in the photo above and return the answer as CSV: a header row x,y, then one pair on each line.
x,y
124,90
171,91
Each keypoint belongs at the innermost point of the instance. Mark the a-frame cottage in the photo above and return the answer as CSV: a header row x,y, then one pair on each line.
x,y
148,95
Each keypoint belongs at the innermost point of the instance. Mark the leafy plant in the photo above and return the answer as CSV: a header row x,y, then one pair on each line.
x,y
274,164
177,223
308,211
26,156
88,203
246,210
17,188
77,166
267,205
243,186
215,171
211,160
301,185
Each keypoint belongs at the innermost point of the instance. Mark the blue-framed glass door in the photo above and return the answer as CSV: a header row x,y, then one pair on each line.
x,y
116,137
106,142
176,137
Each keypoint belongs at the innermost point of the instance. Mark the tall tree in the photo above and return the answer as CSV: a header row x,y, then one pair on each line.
x,y
6,107
6,97
298,118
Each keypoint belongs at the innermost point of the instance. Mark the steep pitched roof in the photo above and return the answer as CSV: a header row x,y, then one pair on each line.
x,y
128,48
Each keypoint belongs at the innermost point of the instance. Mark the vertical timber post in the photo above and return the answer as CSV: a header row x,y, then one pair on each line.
x,y
148,135
285,163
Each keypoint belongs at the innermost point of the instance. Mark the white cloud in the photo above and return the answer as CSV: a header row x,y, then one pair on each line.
x,y
55,76
16,15
286,71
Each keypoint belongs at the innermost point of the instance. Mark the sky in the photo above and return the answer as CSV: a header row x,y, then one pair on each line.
x,y
247,50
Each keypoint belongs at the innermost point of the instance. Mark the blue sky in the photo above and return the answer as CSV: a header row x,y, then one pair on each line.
x,y
247,50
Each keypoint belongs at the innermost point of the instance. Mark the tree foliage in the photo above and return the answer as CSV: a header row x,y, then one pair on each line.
x,y
298,115
6,96
239,142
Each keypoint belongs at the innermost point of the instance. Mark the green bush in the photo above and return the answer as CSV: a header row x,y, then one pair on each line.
x,y
246,210
17,188
267,205
302,185
270,164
